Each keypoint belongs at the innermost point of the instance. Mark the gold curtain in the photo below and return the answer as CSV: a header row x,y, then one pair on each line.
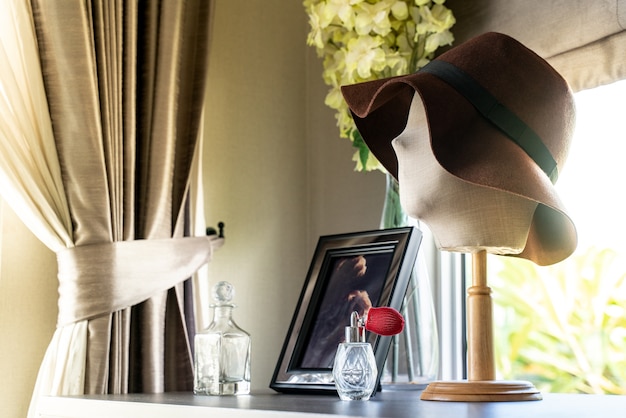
x,y
125,86
103,178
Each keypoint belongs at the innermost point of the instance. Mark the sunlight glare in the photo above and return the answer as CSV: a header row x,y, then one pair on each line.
x,y
592,183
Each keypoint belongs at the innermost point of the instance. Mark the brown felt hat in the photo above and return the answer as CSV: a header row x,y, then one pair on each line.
x,y
499,116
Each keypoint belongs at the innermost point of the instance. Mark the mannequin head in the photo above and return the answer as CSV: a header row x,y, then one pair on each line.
x,y
461,215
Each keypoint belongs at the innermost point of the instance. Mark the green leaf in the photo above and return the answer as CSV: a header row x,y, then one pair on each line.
x,y
364,152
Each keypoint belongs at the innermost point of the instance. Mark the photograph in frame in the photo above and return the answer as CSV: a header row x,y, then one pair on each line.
x,y
349,272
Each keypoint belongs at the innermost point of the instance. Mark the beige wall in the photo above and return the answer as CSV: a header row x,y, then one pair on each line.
x,y
275,172
28,310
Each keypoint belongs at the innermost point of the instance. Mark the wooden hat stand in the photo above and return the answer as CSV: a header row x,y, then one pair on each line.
x,y
481,385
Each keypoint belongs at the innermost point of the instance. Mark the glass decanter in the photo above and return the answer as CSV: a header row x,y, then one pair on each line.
x,y
222,351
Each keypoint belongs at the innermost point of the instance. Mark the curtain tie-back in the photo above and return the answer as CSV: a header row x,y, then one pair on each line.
x,y
102,278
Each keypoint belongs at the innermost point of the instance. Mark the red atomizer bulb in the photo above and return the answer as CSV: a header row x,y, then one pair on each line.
x,y
384,321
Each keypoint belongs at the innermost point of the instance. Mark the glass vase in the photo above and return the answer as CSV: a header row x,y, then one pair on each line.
x,y
413,359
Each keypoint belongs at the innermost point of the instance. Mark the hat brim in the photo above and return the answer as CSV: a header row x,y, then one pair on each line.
x,y
467,146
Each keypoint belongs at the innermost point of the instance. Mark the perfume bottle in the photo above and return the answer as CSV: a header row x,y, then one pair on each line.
x,y
354,369
222,351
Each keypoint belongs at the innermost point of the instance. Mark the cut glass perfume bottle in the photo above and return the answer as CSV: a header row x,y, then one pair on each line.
x,y
222,351
354,369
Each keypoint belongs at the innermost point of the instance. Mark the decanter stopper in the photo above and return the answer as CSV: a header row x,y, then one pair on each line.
x,y
223,293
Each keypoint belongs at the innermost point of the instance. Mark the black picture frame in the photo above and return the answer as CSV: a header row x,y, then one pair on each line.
x,y
337,284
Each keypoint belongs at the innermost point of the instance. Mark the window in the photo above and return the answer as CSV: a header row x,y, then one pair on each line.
x,y
563,327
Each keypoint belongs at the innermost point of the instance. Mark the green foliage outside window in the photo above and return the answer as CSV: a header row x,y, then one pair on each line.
x,y
562,327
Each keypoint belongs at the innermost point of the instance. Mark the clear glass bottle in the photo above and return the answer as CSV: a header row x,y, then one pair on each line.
x,y
354,369
222,351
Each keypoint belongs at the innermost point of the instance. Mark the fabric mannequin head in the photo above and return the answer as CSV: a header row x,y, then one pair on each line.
x,y
477,218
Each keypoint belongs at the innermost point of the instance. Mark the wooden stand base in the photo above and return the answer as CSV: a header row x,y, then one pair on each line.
x,y
481,370
481,391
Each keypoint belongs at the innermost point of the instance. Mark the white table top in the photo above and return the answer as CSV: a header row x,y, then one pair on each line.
x,y
386,404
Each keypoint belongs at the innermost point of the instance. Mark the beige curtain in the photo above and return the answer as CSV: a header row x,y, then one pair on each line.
x,y
585,41
101,108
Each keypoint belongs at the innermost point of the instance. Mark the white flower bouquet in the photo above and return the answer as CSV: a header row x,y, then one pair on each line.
x,y
361,40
